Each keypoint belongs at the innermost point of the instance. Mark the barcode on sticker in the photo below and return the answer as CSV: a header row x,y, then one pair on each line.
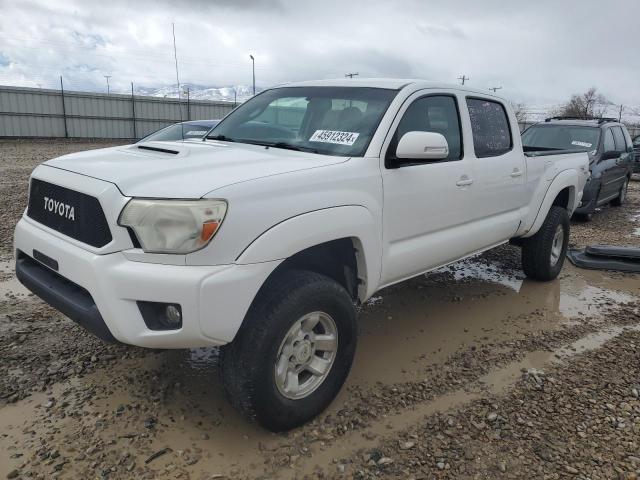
x,y
334,136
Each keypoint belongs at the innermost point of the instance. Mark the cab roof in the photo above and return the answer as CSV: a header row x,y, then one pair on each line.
x,y
390,83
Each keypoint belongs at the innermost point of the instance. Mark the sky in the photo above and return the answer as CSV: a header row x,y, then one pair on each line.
x,y
539,51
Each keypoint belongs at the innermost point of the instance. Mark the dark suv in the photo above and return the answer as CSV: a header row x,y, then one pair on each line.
x,y
610,150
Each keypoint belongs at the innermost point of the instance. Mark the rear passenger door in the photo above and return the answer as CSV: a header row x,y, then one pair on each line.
x,y
605,167
612,170
499,191
623,162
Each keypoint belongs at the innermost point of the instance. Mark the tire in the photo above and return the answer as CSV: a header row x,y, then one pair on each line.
x,y
543,253
264,342
583,217
622,195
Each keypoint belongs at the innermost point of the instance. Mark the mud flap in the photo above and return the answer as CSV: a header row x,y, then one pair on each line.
x,y
606,257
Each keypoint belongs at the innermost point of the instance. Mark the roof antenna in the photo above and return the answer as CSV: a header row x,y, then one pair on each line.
x,y
175,56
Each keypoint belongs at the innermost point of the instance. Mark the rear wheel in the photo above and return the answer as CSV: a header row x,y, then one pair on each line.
x,y
622,195
543,254
293,352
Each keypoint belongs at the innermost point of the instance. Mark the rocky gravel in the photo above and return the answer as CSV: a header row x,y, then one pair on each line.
x,y
577,420
469,372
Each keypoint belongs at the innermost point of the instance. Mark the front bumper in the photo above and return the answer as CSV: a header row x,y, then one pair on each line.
x,y
100,291
589,199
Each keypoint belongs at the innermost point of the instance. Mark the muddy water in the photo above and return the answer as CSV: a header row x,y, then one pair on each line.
x,y
403,330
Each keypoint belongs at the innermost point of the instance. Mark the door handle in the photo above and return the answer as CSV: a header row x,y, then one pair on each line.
x,y
464,181
516,173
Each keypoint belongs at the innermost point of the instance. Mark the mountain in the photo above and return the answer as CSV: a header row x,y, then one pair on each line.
x,y
201,92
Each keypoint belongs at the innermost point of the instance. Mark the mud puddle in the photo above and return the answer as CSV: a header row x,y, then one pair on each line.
x,y
536,361
429,319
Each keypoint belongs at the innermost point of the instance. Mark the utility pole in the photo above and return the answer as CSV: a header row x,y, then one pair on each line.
x,y
107,77
64,110
133,112
187,93
253,69
351,75
620,113
494,88
463,79
175,57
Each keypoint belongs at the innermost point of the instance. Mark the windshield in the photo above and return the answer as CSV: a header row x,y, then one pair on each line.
x,y
326,120
561,137
178,131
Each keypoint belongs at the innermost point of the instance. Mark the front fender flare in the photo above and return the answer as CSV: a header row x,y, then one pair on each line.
x,y
306,230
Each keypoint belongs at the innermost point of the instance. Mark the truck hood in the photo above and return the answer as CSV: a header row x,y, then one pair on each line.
x,y
186,169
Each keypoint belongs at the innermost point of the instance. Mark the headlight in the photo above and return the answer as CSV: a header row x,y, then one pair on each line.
x,y
173,226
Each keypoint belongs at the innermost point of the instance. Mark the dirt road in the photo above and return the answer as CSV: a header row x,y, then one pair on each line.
x,y
467,372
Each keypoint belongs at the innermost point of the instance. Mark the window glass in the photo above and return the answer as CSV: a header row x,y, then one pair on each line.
x,y
179,131
609,144
490,127
437,114
325,120
547,136
618,137
636,141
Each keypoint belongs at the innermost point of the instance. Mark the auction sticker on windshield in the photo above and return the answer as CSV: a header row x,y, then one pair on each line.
x,y
581,144
334,136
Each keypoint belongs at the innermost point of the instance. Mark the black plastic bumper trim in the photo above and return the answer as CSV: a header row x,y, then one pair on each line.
x,y
623,263
63,295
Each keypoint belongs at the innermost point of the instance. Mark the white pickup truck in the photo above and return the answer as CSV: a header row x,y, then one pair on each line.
x,y
302,203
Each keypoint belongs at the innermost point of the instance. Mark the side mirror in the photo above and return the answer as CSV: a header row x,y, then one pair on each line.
x,y
422,146
609,155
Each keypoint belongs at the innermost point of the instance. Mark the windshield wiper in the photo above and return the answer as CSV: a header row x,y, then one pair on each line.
x,y
220,137
286,146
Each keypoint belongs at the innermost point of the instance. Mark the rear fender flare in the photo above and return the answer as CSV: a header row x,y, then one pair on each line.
x,y
565,179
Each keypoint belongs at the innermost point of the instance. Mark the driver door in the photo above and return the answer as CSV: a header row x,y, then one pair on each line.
x,y
427,203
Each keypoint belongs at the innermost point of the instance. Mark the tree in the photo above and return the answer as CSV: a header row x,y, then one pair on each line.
x,y
589,104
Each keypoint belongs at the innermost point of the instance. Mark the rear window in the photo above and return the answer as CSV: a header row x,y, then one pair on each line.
x,y
490,128
561,137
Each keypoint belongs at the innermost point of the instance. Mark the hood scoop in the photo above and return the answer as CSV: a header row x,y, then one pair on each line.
x,y
158,149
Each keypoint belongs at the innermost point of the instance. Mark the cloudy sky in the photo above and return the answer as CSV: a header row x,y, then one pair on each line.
x,y
539,51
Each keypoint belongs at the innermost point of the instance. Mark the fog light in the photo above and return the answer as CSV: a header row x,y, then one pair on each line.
x,y
161,316
174,316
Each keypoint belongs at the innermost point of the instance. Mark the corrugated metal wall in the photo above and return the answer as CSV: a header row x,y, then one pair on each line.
x,y
34,112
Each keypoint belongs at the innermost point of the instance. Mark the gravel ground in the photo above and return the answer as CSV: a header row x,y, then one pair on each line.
x,y
468,372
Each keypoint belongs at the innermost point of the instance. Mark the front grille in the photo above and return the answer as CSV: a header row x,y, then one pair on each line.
x,y
71,213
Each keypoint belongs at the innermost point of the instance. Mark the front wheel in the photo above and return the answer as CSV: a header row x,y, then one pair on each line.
x,y
293,352
543,253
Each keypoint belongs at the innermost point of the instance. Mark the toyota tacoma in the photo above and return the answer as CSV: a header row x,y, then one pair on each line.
x,y
299,205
